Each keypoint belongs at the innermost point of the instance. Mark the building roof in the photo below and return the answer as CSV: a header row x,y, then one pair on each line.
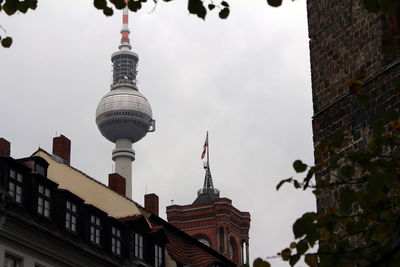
x,y
208,193
88,188
185,249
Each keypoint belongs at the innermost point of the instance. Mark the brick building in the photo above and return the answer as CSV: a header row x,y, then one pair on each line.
x,y
215,222
344,39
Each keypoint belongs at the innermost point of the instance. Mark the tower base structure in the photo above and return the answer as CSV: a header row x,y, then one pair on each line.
x,y
123,155
217,224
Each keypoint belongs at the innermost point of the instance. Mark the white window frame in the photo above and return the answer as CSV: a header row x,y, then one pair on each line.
x,y
116,240
95,229
44,200
138,245
71,215
15,185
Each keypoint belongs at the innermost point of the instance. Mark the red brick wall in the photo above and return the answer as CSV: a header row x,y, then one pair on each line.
x,y
205,221
345,38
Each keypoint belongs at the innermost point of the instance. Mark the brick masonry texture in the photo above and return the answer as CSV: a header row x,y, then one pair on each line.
x,y
205,221
345,38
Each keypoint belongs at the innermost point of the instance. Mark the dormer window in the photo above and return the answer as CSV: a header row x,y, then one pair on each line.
x,y
116,240
158,256
40,169
43,204
138,246
15,185
95,228
71,215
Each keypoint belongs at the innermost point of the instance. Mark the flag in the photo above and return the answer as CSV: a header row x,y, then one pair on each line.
x,y
205,147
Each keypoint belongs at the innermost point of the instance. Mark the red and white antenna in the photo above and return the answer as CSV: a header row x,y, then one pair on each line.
x,y
125,44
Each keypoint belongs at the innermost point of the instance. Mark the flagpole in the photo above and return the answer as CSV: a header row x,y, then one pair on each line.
x,y
208,149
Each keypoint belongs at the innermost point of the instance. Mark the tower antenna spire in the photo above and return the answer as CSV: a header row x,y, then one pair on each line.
x,y
125,43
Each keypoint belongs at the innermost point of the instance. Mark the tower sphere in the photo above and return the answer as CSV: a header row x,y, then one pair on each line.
x,y
124,113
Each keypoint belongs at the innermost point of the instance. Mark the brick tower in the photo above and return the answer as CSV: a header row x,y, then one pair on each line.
x,y
214,221
345,38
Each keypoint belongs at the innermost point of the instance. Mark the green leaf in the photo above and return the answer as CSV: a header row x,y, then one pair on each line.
x,y
311,260
100,4
261,263
347,171
294,259
372,5
196,7
397,84
378,128
304,225
224,13
108,11
225,4
299,166
134,5
6,42
389,45
389,6
302,247
355,86
337,139
33,4
119,4
10,7
282,182
347,197
23,6
296,184
274,3
392,115
285,254
363,100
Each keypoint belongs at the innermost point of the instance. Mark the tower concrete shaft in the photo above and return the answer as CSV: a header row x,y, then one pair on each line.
x,y
123,155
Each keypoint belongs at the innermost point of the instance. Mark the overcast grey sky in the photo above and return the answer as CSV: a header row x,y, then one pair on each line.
x,y
246,80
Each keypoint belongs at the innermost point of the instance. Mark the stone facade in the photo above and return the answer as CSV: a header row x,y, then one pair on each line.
x,y
344,39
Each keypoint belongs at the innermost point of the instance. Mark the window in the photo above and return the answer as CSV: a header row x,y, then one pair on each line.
x,y
95,227
138,246
15,186
39,169
71,214
116,240
43,205
204,241
12,261
158,259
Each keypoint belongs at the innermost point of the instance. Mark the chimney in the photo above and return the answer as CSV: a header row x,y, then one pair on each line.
x,y
117,183
62,148
4,147
151,203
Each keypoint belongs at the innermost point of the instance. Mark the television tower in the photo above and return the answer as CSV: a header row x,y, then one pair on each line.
x,y
124,115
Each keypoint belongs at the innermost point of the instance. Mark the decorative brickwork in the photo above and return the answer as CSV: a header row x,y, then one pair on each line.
x,y
345,38
218,223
